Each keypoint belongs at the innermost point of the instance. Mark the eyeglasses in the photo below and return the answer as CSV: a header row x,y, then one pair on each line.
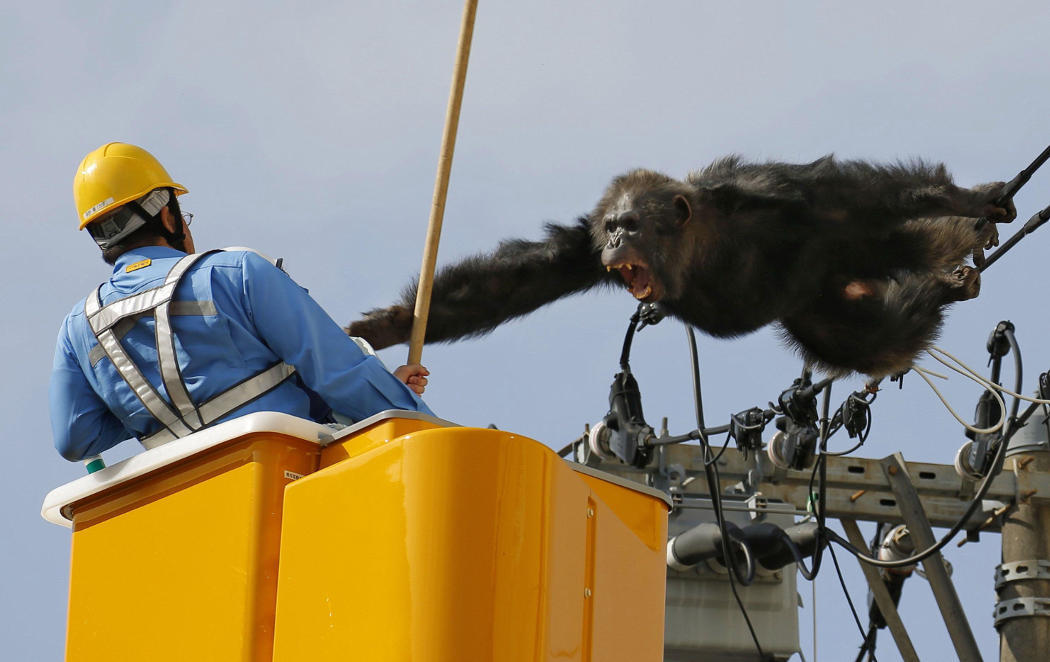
x,y
187,218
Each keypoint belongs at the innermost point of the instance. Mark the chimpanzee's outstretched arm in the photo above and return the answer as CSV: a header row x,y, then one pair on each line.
x,y
474,296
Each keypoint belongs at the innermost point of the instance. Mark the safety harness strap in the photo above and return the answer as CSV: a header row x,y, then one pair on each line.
x,y
134,378
170,372
231,399
175,309
156,300
145,301
185,417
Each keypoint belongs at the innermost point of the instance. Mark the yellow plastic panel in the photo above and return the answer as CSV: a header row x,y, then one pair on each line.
x,y
375,435
181,564
457,544
630,535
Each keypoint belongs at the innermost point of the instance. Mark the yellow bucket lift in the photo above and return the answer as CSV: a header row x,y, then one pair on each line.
x,y
402,537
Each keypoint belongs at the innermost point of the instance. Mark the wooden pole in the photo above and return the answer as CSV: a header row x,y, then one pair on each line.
x,y
437,208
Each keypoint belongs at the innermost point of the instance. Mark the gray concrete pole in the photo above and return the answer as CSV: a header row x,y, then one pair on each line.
x,y
1023,610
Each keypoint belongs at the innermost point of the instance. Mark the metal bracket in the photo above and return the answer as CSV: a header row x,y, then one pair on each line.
x,y
856,487
1033,487
1016,571
1018,607
881,595
911,509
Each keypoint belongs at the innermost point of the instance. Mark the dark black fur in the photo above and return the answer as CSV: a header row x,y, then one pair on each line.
x,y
854,260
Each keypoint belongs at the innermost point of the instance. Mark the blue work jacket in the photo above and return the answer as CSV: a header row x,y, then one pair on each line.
x,y
246,315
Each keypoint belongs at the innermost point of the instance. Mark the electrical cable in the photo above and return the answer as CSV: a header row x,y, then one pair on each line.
x,y
975,503
852,449
986,484
971,374
817,510
689,436
1030,226
845,591
865,636
713,483
718,457
982,380
865,406
936,374
868,647
820,468
631,330
1011,187
873,627
798,556
694,357
922,372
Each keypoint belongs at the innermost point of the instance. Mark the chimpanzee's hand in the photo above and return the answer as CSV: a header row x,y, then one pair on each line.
x,y
995,210
383,327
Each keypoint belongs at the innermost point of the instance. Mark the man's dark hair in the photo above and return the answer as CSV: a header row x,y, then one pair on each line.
x,y
149,234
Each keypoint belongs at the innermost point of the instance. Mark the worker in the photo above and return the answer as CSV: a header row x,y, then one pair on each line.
x,y
176,341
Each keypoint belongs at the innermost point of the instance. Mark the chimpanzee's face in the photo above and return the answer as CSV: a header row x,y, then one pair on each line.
x,y
638,227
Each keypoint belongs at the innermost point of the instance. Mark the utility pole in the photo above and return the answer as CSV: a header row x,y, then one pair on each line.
x,y
1022,613
1014,500
859,490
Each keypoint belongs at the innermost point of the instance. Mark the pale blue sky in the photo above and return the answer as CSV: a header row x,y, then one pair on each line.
x,y
312,131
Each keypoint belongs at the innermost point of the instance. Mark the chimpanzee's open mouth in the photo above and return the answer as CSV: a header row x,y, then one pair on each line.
x,y
639,280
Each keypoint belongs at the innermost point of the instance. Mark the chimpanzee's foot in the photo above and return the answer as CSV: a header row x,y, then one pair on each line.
x,y
963,283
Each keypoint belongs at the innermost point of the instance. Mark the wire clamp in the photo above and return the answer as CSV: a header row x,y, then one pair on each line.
x,y
1018,607
1016,571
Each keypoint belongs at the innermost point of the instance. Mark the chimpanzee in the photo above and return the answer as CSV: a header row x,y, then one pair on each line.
x,y
854,260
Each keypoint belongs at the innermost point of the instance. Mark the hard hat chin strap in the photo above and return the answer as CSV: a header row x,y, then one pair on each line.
x,y
137,214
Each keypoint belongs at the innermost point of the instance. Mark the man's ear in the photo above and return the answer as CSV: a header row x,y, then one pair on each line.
x,y
168,219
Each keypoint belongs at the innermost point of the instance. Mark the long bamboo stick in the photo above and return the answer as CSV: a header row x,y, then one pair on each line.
x,y
437,208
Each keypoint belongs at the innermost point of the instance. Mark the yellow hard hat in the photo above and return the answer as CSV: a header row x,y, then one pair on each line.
x,y
115,174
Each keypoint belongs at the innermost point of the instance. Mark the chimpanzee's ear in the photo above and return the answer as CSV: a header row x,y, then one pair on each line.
x,y
683,210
